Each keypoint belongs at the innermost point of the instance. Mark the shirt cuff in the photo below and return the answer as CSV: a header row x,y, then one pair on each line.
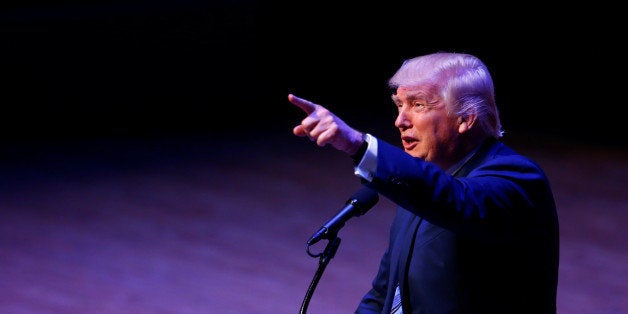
x,y
368,164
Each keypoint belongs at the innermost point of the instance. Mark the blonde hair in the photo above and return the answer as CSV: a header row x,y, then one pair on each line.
x,y
461,80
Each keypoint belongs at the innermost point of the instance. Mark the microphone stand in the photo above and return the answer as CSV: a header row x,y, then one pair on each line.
x,y
325,257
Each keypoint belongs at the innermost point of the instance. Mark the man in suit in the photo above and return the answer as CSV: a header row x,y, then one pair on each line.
x,y
476,228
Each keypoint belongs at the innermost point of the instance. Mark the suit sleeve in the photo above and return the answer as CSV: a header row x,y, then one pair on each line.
x,y
373,300
500,197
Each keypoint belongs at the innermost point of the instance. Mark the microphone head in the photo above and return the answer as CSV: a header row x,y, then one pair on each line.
x,y
364,199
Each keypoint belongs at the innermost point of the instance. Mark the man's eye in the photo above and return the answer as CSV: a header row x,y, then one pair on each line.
x,y
418,106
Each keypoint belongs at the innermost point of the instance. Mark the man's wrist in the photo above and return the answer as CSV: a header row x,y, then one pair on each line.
x,y
361,150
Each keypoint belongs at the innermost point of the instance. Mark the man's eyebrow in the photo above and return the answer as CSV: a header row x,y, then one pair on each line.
x,y
411,96
395,98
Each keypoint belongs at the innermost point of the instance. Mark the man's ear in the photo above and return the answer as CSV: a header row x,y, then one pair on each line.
x,y
465,123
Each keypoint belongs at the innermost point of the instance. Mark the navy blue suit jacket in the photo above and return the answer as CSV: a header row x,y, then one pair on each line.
x,y
483,239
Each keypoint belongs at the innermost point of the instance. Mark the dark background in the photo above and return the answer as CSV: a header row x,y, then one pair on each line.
x,y
111,69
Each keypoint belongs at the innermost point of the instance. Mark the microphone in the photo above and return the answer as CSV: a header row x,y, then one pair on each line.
x,y
358,204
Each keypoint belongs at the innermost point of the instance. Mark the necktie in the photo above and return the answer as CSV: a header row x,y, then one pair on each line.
x,y
396,305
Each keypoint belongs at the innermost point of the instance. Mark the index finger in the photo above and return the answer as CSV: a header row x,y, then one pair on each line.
x,y
306,105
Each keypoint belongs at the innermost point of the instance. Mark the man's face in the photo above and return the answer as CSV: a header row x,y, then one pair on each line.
x,y
427,130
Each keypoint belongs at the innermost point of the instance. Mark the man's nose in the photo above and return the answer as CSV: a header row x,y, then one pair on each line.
x,y
402,121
